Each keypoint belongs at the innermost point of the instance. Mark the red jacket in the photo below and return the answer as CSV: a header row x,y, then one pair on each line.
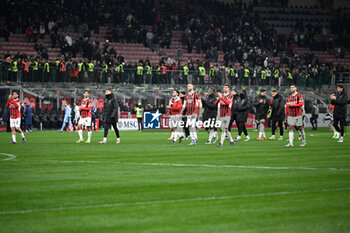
x,y
176,105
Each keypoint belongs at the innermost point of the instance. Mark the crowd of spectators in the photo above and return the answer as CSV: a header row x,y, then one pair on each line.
x,y
208,27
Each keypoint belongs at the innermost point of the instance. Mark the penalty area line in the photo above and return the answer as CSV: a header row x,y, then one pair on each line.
x,y
109,205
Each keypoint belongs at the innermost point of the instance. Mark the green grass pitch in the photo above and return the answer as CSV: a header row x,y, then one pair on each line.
x,y
146,184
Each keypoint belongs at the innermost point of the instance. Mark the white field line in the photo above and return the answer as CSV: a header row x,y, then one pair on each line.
x,y
10,156
81,207
198,165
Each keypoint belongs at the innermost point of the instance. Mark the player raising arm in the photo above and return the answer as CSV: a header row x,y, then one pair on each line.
x,y
174,108
85,117
225,101
14,103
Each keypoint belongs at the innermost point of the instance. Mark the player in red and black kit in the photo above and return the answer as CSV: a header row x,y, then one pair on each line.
x,y
294,115
225,101
85,117
174,108
14,103
193,106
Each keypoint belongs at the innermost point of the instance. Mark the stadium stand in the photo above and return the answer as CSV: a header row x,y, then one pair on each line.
x,y
96,44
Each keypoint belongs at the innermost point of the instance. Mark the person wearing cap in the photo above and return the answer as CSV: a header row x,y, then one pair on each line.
x,y
277,114
339,100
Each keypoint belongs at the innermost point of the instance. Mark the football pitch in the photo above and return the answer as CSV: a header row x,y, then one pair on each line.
x,y
146,184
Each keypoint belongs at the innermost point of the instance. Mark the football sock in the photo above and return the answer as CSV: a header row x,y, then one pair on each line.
x,y
172,134
229,135
63,126
332,128
223,136
175,136
195,134
303,135
14,138
80,132
22,134
299,132
191,134
291,136
89,135
211,133
105,139
71,126
262,130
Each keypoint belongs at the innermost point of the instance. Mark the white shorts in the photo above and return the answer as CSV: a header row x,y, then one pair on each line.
x,y
192,117
225,122
15,123
85,121
174,121
295,121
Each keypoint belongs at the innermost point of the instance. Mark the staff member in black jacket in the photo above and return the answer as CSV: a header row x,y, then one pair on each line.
x,y
210,111
184,119
261,104
277,114
110,115
243,107
233,109
339,101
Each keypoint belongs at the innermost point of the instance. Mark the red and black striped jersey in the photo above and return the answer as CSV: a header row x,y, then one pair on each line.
x,y
85,108
192,103
15,108
225,105
296,108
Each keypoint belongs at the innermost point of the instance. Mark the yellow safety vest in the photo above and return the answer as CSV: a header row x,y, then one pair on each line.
x,y
186,70
139,112
120,68
263,74
139,70
91,67
201,71
46,67
105,68
231,72
80,65
277,73
246,73
149,69
14,67
36,65
211,72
